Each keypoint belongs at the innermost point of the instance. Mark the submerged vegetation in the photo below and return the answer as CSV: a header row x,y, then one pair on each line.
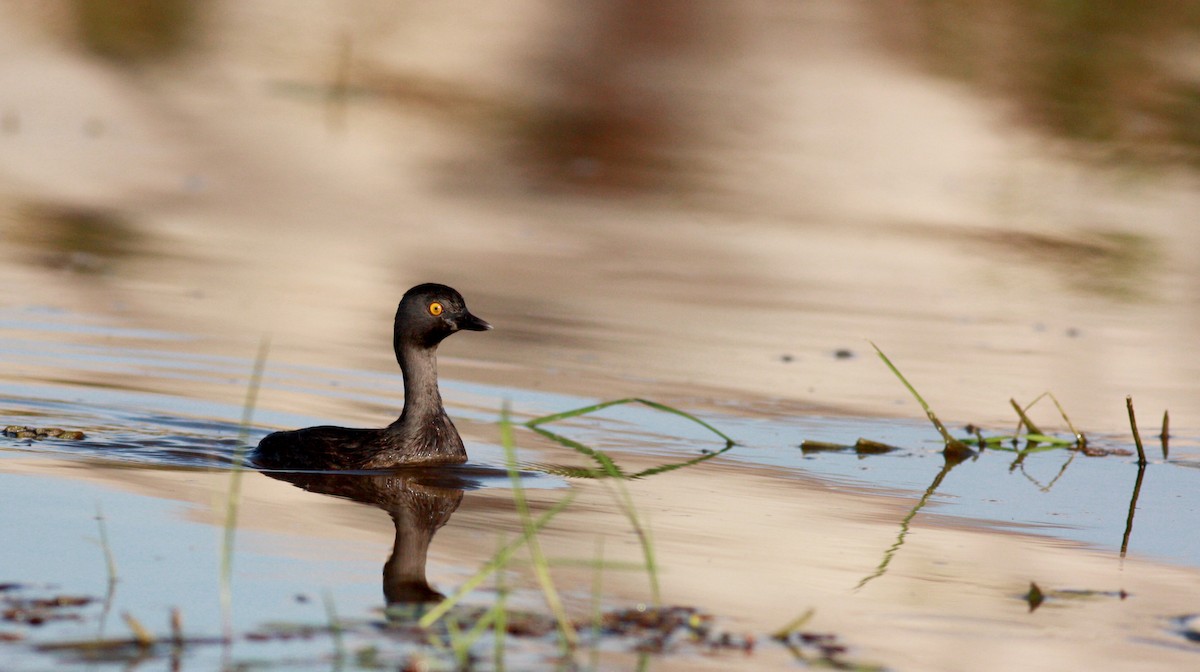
x,y
957,450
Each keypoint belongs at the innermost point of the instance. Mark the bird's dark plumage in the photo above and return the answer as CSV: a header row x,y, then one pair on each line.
x,y
423,434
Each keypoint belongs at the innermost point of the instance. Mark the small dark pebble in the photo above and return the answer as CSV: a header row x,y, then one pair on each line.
x,y
843,353
786,359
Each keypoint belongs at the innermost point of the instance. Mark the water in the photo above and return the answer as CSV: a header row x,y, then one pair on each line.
x,y
1055,492
156,466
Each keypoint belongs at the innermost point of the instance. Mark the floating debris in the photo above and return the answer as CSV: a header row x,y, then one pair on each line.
x,y
1035,597
38,611
817,649
282,632
662,629
39,433
861,447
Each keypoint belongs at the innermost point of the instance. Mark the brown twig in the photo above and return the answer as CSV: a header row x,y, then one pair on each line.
x,y
1165,433
1137,438
1033,429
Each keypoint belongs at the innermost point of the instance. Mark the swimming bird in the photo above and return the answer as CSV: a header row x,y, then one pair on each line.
x,y
423,434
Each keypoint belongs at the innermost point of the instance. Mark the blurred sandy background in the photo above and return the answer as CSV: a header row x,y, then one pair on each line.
x,y
711,197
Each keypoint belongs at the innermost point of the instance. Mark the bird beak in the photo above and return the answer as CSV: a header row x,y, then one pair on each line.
x,y
472,323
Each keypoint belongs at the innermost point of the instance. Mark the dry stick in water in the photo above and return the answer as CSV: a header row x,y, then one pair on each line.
x,y
1137,486
1137,438
1165,435
177,637
1033,429
1080,439
140,634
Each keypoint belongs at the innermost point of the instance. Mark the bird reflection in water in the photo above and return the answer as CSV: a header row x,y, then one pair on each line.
x,y
419,501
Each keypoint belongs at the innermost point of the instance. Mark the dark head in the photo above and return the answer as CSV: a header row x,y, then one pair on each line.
x,y
430,312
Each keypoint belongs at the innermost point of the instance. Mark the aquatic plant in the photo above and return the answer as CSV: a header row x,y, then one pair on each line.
x,y
234,495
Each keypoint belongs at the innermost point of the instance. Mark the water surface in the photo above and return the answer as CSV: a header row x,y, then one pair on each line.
x,y
156,465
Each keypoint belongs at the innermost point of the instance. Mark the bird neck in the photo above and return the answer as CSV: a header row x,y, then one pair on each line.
x,y
422,400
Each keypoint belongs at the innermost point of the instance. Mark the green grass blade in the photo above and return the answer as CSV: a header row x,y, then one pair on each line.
x,y
630,400
680,465
597,606
500,627
586,472
454,633
793,625
335,626
467,639
684,414
606,463
1080,439
574,413
235,488
541,568
609,468
110,562
951,442
499,561
625,501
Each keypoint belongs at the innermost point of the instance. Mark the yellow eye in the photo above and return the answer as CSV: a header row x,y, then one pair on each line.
x,y
435,308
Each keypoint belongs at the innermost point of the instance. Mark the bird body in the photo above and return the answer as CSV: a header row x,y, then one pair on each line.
x,y
423,435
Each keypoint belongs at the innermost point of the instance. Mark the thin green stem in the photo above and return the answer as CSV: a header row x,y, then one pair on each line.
x,y
630,400
233,497
498,562
952,444
540,566
110,562
335,626
625,501
500,629
597,609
